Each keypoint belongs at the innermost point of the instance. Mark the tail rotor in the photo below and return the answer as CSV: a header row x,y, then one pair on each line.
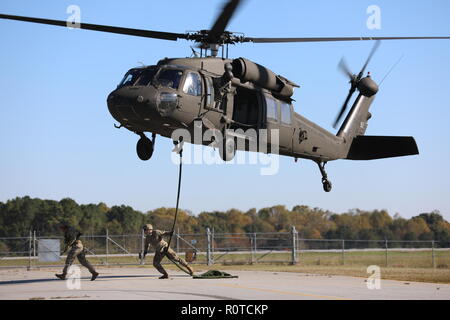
x,y
354,80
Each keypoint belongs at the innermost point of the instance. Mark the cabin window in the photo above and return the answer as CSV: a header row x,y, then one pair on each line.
x,y
170,78
146,77
272,109
286,113
193,84
130,77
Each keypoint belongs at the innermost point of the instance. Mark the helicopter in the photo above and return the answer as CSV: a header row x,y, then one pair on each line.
x,y
227,94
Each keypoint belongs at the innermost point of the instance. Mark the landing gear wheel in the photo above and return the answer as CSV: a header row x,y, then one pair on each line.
x,y
227,149
326,185
325,182
144,148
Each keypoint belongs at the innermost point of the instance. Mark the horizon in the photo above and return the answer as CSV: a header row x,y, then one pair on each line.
x,y
290,208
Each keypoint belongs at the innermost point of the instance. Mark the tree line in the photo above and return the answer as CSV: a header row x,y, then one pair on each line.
x,y
20,215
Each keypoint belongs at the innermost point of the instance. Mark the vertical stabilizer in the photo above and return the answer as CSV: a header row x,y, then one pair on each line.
x,y
355,123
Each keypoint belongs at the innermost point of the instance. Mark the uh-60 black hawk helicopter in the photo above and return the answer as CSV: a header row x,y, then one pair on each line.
x,y
227,93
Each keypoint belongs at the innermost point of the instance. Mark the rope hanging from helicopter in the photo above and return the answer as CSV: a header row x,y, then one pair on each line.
x,y
179,149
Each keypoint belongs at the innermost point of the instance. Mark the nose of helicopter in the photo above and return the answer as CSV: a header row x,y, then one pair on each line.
x,y
133,106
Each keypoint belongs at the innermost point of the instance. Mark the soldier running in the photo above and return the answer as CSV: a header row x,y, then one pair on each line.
x,y
72,241
155,239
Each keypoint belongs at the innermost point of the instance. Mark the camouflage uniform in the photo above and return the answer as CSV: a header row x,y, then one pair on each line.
x,y
155,239
71,240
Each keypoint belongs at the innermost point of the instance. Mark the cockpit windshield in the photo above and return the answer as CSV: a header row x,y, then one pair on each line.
x,y
130,77
169,78
146,76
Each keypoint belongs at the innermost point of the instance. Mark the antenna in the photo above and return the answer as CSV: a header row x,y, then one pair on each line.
x,y
194,53
392,68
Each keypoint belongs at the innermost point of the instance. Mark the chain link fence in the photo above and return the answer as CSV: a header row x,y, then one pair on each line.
x,y
212,248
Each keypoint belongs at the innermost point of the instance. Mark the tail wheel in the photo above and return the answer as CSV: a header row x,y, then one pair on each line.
x,y
144,148
326,185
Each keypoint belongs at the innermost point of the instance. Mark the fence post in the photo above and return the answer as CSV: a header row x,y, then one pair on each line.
x,y
432,254
30,250
208,247
386,246
253,244
178,239
107,249
34,243
294,247
343,252
212,244
142,245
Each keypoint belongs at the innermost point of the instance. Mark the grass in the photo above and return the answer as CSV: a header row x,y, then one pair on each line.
x,y
392,273
401,265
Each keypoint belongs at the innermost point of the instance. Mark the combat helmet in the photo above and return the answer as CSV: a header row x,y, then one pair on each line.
x,y
147,227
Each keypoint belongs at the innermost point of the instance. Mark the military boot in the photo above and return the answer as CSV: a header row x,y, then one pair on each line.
x,y
94,276
61,276
191,271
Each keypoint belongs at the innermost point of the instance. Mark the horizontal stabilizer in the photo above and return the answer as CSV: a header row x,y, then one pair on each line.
x,y
378,147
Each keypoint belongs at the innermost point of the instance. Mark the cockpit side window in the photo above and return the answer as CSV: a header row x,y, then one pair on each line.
x,y
170,78
193,84
146,77
130,77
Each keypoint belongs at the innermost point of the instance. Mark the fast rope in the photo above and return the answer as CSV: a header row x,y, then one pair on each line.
x,y
178,196
212,274
176,209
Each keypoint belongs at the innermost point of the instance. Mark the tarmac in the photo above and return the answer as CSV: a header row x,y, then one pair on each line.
x,y
143,284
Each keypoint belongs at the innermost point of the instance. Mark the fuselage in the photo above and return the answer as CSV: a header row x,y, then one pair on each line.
x,y
175,92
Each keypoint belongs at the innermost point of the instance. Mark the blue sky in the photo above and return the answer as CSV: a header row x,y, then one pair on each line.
x,y
57,138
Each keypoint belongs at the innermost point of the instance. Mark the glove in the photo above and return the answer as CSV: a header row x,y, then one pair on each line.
x,y
142,256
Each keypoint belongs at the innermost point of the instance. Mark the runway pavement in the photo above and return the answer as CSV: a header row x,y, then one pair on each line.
x,y
143,283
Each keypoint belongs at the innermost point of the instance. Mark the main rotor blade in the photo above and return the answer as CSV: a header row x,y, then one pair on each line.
x,y
223,19
102,28
284,40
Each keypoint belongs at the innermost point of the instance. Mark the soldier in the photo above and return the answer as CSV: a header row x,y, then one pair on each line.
x,y
72,241
155,239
